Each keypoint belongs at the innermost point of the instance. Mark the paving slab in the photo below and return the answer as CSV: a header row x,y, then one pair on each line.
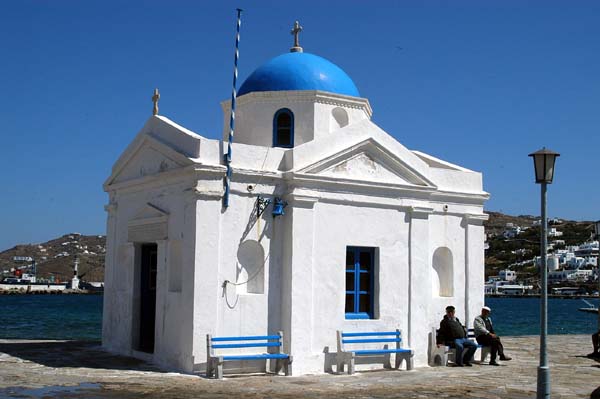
x,y
76,369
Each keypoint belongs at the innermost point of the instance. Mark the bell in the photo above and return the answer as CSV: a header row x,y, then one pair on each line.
x,y
278,206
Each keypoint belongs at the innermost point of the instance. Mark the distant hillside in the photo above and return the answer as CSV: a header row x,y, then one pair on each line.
x,y
503,252
56,257
496,224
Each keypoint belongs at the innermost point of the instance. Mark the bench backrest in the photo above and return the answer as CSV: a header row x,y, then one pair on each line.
x,y
250,341
352,338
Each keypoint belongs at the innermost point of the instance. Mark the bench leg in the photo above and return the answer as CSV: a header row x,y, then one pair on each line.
x,y
351,365
485,351
219,368
339,363
440,359
387,363
209,370
287,366
409,362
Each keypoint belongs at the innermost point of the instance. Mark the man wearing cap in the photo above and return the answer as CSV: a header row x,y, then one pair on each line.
x,y
485,335
452,333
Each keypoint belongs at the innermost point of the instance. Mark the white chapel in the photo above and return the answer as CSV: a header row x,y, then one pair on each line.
x,y
330,224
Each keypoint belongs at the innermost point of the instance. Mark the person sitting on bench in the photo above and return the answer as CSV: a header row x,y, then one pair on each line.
x,y
485,335
452,333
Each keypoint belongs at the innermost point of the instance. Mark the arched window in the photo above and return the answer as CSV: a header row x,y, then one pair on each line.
x,y
443,272
283,128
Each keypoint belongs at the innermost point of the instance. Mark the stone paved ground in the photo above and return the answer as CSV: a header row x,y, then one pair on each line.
x,y
55,369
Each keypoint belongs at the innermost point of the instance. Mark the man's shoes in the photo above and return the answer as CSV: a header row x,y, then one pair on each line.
x,y
468,364
458,365
505,358
593,355
493,363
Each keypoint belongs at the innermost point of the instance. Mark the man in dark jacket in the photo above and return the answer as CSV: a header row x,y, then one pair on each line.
x,y
452,333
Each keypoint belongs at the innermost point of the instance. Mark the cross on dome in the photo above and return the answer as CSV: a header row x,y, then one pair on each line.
x,y
296,31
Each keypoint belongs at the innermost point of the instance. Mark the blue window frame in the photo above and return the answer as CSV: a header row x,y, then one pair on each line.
x,y
283,128
360,282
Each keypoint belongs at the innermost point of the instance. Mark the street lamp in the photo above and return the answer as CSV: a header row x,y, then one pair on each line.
x,y
597,226
543,162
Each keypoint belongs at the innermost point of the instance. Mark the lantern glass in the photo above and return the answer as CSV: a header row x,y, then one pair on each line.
x,y
543,162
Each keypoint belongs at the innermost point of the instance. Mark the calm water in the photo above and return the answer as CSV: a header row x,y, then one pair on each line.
x,y
80,316
51,316
521,316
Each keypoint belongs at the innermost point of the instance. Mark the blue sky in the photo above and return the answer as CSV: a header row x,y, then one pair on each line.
x,y
480,84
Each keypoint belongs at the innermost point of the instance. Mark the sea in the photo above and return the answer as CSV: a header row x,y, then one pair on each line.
x,y
79,317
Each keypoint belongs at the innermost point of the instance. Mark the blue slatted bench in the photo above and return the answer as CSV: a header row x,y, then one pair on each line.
x,y
214,363
439,356
346,356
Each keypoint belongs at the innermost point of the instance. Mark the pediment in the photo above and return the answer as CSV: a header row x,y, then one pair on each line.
x,y
150,157
368,162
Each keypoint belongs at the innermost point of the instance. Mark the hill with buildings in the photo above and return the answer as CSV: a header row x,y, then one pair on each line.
x,y
513,244
54,259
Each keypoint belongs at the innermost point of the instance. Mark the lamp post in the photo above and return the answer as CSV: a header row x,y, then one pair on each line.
x,y
597,226
543,162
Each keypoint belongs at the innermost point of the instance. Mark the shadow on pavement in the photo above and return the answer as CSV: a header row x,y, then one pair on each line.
x,y
73,354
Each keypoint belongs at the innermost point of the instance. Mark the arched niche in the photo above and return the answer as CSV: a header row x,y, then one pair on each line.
x,y
443,272
250,271
340,117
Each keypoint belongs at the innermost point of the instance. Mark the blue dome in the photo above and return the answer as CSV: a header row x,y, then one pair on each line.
x,y
299,71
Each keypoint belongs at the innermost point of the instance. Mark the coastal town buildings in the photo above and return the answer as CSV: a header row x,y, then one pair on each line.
x,y
330,224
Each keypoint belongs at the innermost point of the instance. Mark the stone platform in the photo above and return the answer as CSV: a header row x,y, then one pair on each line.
x,y
68,369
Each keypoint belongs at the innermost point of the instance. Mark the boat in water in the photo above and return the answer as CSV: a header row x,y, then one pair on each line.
x,y
590,309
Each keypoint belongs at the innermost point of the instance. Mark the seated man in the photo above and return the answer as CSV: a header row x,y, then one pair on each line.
x,y
452,333
596,344
485,335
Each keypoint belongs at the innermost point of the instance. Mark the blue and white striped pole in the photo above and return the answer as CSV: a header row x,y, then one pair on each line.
x,y
232,117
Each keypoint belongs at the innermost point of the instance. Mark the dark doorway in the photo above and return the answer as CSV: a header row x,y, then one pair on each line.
x,y
148,297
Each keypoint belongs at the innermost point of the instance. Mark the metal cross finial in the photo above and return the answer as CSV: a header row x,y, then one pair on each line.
x,y
155,99
296,31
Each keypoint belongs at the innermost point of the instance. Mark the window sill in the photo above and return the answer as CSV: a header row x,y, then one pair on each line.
x,y
358,316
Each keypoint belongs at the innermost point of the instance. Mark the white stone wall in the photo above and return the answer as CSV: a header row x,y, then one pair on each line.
x,y
314,115
173,292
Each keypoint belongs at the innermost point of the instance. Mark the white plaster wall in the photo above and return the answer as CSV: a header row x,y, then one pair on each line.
x,y
339,226
172,342
447,231
231,311
312,115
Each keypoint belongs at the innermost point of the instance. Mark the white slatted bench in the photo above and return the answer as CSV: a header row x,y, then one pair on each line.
x,y
346,356
439,356
214,363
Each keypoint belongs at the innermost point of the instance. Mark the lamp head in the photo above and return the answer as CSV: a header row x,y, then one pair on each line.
x,y
543,162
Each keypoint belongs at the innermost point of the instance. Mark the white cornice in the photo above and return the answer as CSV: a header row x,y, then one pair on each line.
x,y
316,96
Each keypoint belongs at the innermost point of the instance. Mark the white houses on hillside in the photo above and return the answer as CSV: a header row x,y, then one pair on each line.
x,y
331,224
